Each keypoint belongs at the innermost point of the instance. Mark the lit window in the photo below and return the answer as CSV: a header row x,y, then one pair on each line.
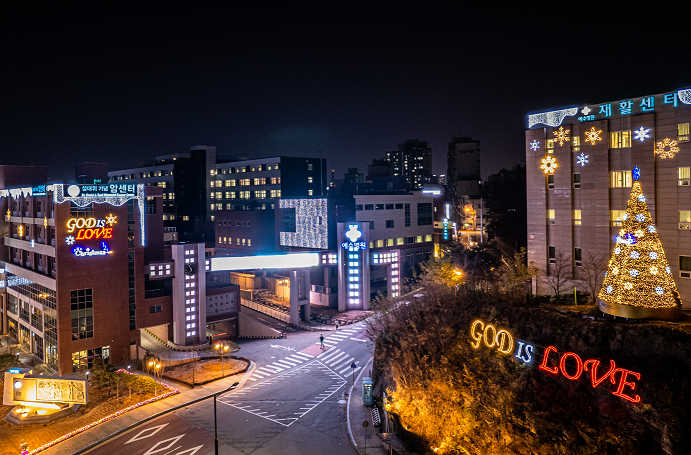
x,y
309,179
576,141
620,139
310,192
549,144
683,132
577,217
617,217
551,216
620,179
684,219
684,175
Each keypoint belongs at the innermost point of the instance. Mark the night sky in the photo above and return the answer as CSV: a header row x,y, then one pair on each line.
x,y
122,86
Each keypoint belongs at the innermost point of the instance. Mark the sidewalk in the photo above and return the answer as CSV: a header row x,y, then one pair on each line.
x,y
186,395
358,413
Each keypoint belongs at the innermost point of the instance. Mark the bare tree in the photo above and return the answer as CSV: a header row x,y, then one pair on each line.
x,y
559,273
592,271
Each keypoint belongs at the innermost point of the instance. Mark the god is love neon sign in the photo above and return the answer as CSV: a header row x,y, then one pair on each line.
x,y
88,228
503,342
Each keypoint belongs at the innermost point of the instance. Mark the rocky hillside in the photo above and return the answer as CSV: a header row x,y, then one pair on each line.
x,y
460,399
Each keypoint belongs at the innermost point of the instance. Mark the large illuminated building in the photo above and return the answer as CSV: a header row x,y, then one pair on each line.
x,y
86,271
579,163
197,184
412,162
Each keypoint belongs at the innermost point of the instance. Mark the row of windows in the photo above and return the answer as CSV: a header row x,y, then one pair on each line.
x,y
247,194
617,217
400,241
359,207
255,168
171,217
142,175
238,223
621,139
249,182
238,241
623,179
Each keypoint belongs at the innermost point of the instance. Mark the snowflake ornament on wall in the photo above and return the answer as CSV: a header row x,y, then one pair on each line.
x,y
641,134
667,148
582,159
593,136
561,135
69,240
549,164
534,145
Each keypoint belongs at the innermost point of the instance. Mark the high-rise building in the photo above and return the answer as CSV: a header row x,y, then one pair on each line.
x,y
579,165
463,168
413,162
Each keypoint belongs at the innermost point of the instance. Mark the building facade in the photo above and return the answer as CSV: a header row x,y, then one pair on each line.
x,y
413,162
579,164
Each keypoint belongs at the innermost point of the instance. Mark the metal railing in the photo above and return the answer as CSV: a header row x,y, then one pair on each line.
x,y
281,316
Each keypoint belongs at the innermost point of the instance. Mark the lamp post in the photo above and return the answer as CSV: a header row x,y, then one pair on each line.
x,y
458,274
215,419
222,347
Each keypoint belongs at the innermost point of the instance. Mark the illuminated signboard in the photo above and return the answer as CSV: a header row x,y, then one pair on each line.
x,y
446,228
569,364
39,390
355,251
642,105
87,229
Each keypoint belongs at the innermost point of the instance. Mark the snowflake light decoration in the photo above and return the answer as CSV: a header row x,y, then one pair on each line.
x,y
633,272
582,159
640,218
549,164
641,134
652,255
609,289
69,240
593,136
111,220
668,270
534,145
561,135
659,290
651,229
635,254
661,148
641,198
653,270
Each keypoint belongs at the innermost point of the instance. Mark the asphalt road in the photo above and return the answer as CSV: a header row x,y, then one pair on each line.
x,y
293,403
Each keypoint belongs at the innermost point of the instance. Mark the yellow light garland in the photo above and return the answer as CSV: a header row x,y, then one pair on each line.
x,y
593,135
549,164
662,152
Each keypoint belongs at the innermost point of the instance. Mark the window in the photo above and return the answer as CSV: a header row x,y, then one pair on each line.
x,y
82,314
428,238
424,214
617,217
230,182
576,141
310,166
389,224
155,309
380,243
275,193
684,219
260,194
407,215
378,206
683,132
244,182
400,241
684,175
389,206
576,181
620,139
549,144
552,254
309,179
371,225
418,239
310,192
620,179
550,181
358,207
685,266
577,217
399,206
369,206
577,256
551,216
389,242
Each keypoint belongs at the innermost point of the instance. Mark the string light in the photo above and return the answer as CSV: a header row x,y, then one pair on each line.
x,y
562,135
171,391
661,150
549,164
593,136
552,118
643,257
641,134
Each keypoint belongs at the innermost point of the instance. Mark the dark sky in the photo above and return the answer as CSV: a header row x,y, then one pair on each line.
x,y
122,86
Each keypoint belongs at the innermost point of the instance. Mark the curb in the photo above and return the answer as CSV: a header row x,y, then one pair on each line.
x,y
129,428
350,394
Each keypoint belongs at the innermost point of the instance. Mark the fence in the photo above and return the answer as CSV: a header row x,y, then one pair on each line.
x,y
281,316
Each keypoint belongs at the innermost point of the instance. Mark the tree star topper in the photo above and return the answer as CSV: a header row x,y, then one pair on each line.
x,y
561,135
593,135
549,164
664,153
641,134
582,159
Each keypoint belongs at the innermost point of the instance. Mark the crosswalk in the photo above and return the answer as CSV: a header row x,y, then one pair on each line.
x,y
334,358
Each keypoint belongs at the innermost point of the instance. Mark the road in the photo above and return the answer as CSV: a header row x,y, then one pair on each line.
x,y
293,403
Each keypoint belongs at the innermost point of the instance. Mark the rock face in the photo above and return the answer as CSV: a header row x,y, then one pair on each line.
x,y
497,404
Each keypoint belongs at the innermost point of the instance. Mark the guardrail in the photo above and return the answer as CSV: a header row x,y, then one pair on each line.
x,y
285,317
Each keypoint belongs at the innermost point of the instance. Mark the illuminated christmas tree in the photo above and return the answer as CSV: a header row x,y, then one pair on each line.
x,y
639,283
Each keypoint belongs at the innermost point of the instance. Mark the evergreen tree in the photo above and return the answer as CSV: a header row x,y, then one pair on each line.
x,y
638,273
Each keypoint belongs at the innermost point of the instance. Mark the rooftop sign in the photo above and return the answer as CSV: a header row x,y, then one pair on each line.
x,y
632,106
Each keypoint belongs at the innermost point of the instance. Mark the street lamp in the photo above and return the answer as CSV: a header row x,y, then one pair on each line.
x,y
222,347
459,274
